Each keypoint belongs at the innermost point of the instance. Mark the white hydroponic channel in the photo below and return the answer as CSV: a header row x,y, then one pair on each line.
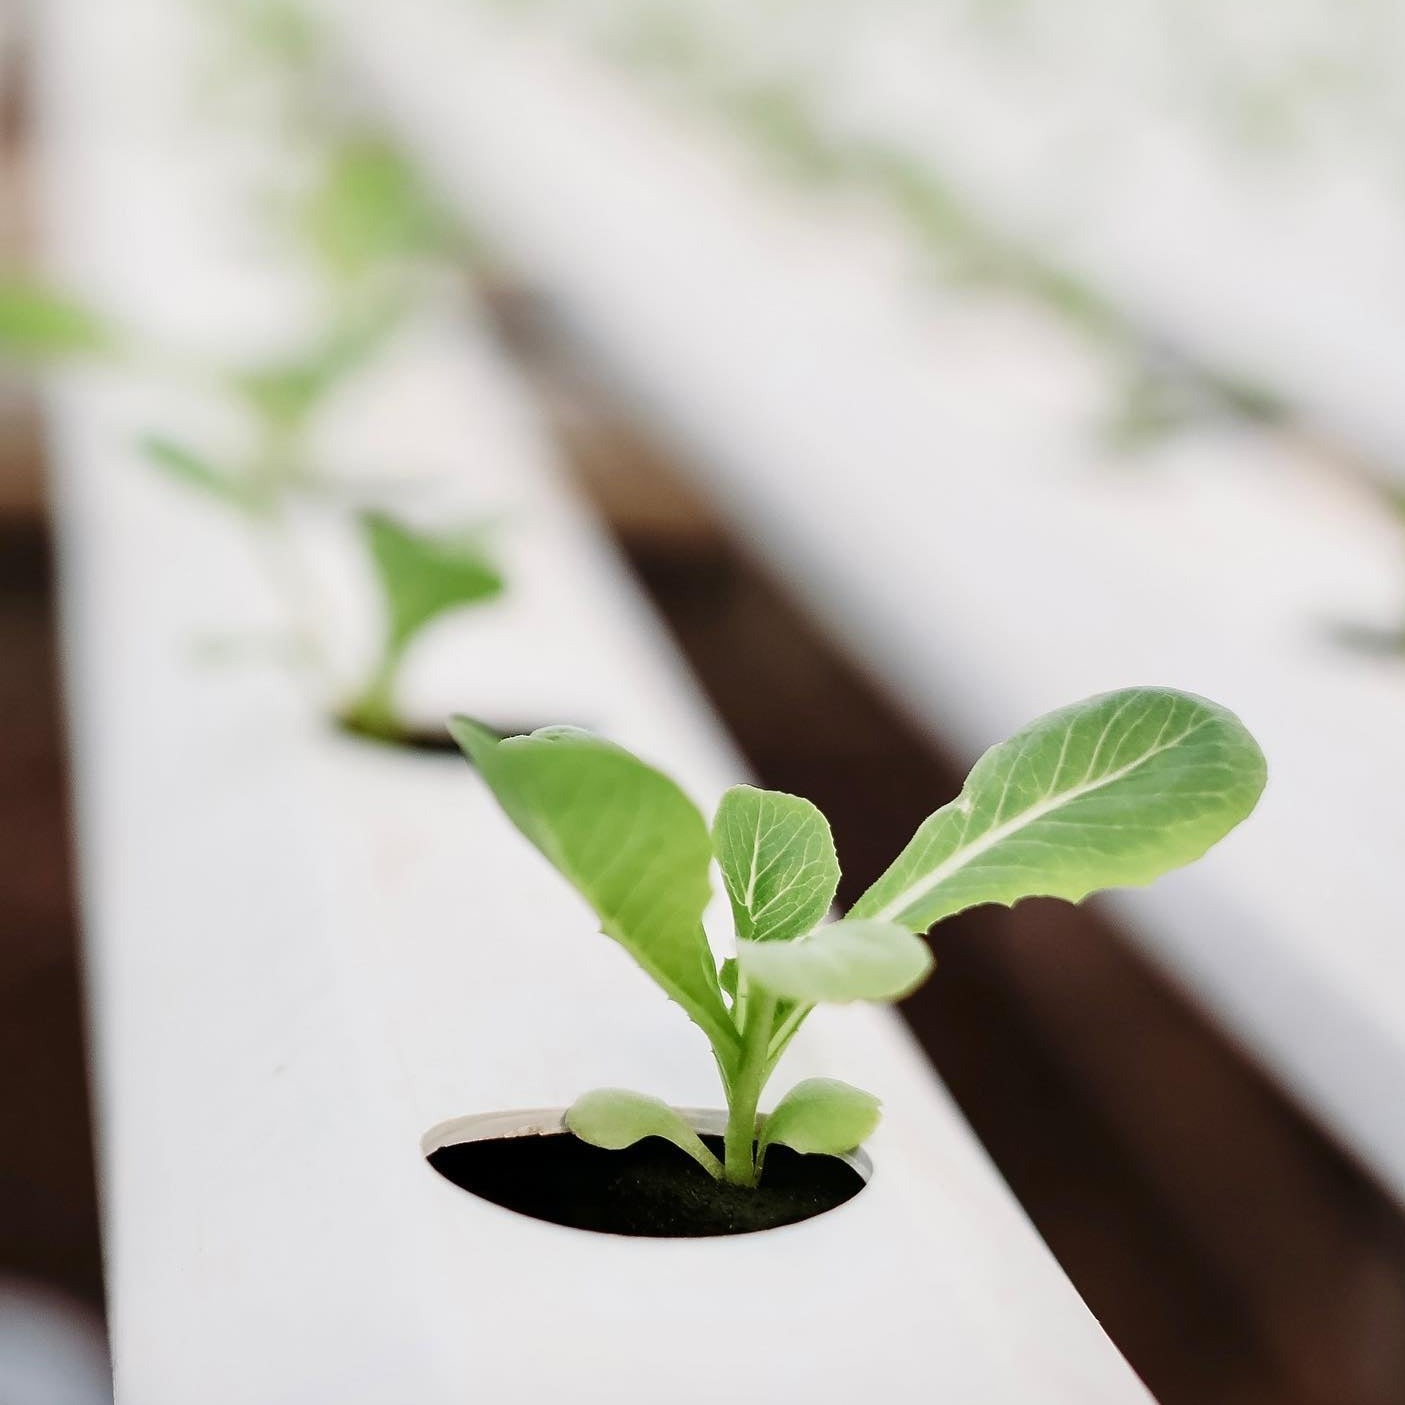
x,y
303,951
1226,171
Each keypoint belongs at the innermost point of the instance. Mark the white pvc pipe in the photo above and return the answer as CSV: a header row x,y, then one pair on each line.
x,y
305,951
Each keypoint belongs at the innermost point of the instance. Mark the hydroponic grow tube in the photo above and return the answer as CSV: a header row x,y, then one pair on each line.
x,y
306,951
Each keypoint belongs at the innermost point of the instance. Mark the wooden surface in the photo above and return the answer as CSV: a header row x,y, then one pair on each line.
x,y
48,1207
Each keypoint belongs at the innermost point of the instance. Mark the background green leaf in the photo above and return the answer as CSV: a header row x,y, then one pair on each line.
x,y
423,575
614,1118
777,859
822,1115
855,959
1110,792
39,326
195,471
630,841
285,392
727,977
371,207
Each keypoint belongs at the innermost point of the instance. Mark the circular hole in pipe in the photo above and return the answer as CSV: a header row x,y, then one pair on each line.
x,y
527,1162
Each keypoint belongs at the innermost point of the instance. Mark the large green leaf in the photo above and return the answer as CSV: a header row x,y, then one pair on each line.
x,y
821,1115
777,860
423,575
630,841
614,1118
1110,792
855,959
39,326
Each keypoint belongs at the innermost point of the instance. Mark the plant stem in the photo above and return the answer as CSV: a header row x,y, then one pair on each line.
x,y
740,1140
373,711
780,1039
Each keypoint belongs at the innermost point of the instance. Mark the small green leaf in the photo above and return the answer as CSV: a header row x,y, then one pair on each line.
x,y
422,576
821,1115
630,841
613,1118
280,33
39,326
190,468
1110,792
286,392
777,860
727,977
370,207
855,959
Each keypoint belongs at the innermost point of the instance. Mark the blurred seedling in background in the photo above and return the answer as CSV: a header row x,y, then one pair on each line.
x,y
1110,792
367,212
422,577
346,195
781,115
242,491
42,328
282,397
265,68
285,393
379,245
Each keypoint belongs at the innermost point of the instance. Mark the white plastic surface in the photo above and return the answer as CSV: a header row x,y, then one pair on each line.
x,y
305,951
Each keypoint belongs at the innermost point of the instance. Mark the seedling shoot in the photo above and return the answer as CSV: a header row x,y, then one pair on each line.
x,y
1110,792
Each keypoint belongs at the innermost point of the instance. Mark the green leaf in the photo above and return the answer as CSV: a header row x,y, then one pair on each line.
x,y
422,576
286,392
614,1118
39,326
1110,792
727,977
821,1115
777,860
855,959
190,468
371,207
280,33
630,841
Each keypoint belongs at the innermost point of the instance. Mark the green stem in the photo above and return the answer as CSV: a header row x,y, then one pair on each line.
x,y
740,1140
780,1039
373,710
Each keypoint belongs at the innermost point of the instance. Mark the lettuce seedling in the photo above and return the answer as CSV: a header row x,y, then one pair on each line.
x,y
421,577
285,393
282,395
1110,792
